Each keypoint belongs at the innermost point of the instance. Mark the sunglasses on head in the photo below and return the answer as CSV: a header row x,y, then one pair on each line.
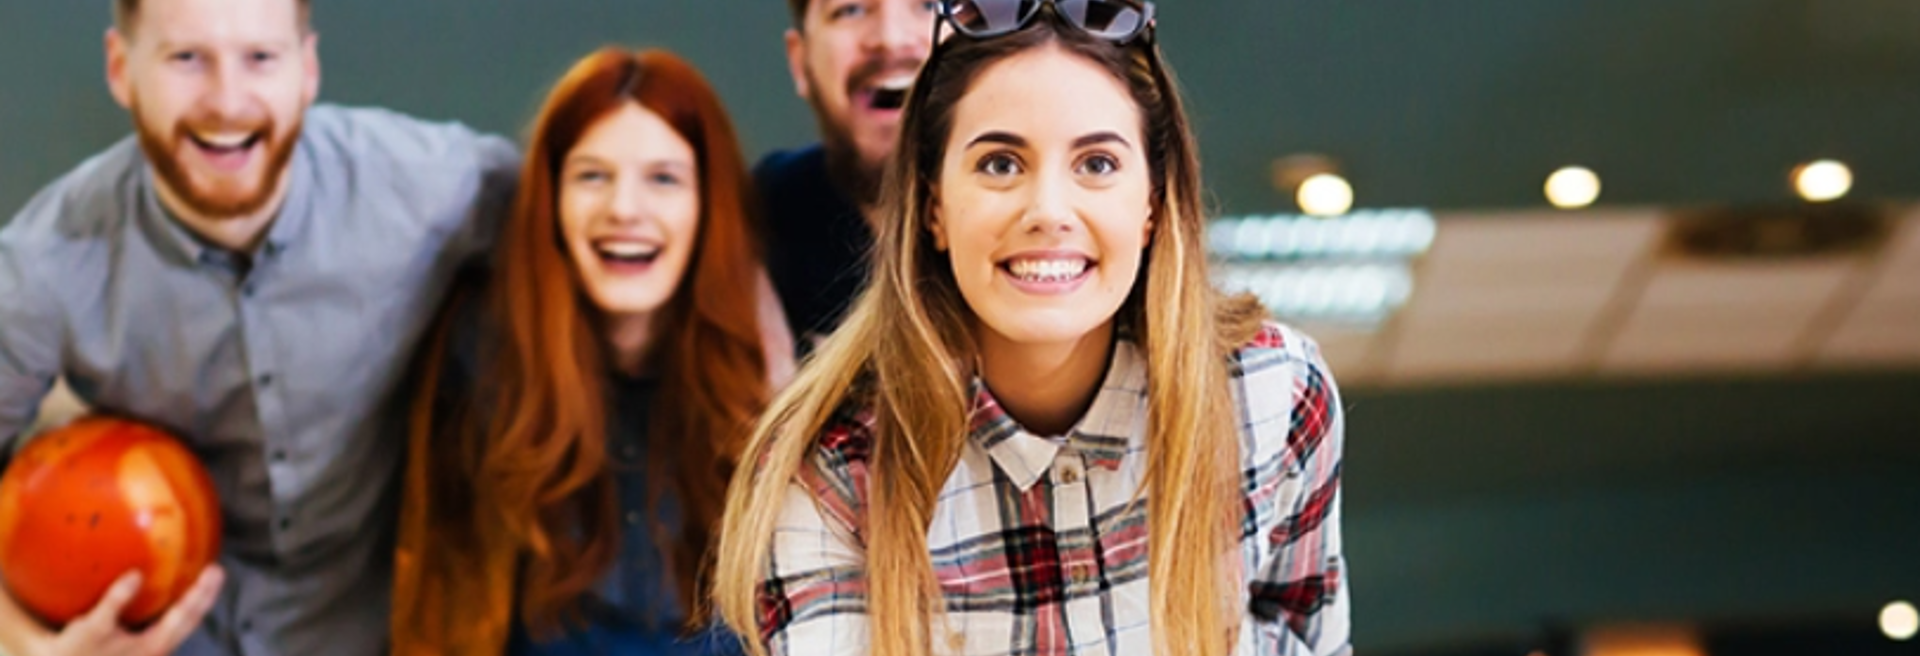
x,y
1119,21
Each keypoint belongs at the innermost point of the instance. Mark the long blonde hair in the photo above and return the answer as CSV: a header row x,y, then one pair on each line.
x,y
909,335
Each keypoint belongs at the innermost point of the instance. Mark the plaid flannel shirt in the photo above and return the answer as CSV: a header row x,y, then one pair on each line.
x,y
1036,546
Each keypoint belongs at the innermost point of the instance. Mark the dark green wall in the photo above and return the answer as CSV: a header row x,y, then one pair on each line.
x,y
1480,512
1427,103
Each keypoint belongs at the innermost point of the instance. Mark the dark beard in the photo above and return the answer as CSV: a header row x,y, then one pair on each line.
x,y
160,154
856,179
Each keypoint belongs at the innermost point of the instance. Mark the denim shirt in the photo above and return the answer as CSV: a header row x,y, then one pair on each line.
x,y
635,609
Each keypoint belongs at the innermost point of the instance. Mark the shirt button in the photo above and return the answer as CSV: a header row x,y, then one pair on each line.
x,y
1069,474
285,523
246,626
265,380
1081,573
633,518
279,455
630,452
247,290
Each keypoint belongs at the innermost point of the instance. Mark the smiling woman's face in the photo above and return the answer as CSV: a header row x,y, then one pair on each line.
x,y
1044,198
630,210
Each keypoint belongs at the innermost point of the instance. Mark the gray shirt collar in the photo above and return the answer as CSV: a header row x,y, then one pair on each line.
x,y
176,242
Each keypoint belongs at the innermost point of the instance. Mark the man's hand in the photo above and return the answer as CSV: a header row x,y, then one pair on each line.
x,y
98,633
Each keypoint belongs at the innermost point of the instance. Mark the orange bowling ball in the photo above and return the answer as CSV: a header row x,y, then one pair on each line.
x,y
82,504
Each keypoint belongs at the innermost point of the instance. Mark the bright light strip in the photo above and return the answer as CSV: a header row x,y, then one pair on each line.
x,y
1338,293
1385,234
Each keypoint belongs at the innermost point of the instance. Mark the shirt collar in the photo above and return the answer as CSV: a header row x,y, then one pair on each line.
x,y
1114,425
174,238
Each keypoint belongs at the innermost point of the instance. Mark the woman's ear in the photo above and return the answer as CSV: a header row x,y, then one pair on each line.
x,y
935,225
1153,210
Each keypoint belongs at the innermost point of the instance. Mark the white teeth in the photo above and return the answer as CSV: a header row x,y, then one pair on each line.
x,y
1047,270
895,83
627,249
225,140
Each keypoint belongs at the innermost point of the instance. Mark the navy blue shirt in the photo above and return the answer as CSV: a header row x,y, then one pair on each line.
x,y
636,607
817,241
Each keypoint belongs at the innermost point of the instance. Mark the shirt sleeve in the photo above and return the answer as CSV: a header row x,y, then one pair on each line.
x,y
813,599
498,168
442,167
29,346
1301,592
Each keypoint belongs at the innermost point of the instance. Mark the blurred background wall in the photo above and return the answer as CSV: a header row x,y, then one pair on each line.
x,y
1687,410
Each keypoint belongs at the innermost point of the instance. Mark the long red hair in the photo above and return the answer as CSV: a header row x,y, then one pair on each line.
x,y
523,465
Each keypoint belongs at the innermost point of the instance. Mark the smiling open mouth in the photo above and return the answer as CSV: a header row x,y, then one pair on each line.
x,y
889,93
1048,270
626,253
226,143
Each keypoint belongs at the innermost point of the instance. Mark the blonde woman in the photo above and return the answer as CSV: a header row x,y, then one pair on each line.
x,y
1041,430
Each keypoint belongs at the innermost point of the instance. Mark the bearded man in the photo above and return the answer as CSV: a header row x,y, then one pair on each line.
x,y
250,271
851,61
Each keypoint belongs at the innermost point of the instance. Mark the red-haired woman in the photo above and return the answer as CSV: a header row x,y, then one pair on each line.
x,y
581,407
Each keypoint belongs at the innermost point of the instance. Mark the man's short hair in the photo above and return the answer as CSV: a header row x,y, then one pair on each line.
x,y
799,8
125,12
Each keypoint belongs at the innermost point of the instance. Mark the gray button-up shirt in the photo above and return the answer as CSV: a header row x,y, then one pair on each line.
x,y
280,368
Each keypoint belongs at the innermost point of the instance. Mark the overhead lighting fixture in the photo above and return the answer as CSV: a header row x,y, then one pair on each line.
x,y
1383,234
1326,293
1355,269
1324,194
1823,180
1573,187
1899,621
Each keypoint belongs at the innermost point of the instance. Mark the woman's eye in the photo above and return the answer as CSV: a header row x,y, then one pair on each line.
x,y
998,165
1099,165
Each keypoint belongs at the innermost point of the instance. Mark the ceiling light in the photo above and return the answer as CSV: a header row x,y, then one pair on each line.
x,y
1325,194
1899,620
1822,180
1573,187
1382,234
1335,293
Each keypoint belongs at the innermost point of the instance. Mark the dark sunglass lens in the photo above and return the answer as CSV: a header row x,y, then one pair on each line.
x,y
1109,19
991,17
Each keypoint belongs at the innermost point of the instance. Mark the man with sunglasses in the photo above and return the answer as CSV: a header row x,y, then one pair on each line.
x,y
852,61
